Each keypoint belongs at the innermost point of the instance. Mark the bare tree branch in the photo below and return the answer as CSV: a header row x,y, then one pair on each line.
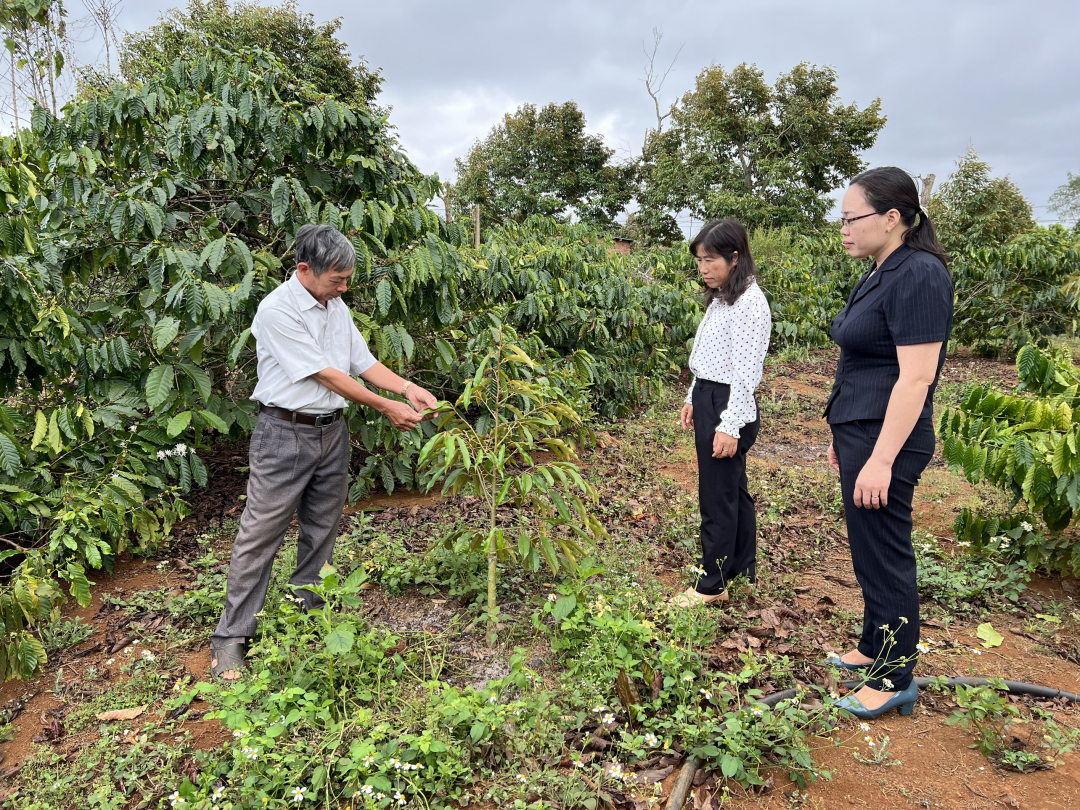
x,y
654,81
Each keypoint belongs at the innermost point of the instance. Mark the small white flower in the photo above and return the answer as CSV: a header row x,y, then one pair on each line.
x,y
181,449
903,620
239,733
756,711
651,740
1027,527
705,693
133,428
553,597
110,662
218,793
578,763
253,753
367,790
523,779
608,719
149,656
688,677
976,652
887,683
161,454
964,544
298,794
923,648
864,726
369,759
394,763
599,707
175,799
884,627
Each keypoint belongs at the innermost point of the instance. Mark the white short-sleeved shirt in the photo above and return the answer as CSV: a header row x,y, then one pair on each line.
x,y
297,336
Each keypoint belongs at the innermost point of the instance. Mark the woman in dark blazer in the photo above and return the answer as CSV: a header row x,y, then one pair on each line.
x,y
892,336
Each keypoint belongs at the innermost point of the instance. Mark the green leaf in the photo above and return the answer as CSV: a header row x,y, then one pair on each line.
x,y
55,442
729,765
165,332
178,424
989,636
215,421
159,382
383,296
564,606
9,455
200,378
41,428
340,641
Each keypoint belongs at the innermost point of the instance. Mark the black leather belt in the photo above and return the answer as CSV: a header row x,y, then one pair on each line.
x,y
320,420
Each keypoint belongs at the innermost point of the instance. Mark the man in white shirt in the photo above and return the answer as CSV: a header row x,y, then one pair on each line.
x,y
309,351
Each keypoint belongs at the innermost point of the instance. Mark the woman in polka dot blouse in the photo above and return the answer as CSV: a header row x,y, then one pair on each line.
x,y
727,360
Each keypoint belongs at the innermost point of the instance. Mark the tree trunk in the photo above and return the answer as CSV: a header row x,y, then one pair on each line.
x,y
927,189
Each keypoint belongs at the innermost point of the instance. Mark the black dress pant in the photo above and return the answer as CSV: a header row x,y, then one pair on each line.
x,y
728,522
881,550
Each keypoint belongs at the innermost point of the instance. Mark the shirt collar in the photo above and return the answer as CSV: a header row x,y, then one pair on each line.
x,y
897,256
304,299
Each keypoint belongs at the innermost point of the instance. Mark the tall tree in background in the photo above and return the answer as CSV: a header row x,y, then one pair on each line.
x,y
35,37
310,51
541,162
768,155
1065,202
974,210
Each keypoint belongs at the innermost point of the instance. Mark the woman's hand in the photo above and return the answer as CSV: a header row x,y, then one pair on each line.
x,y
724,446
686,417
872,485
834,462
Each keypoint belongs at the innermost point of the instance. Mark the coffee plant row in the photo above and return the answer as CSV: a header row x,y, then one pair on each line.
x,y
139,231
1026,443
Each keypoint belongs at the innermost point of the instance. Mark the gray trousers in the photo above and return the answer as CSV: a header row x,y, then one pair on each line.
x,y
294,469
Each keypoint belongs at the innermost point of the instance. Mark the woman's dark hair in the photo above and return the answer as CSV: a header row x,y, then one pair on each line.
x,y
887,188
726,237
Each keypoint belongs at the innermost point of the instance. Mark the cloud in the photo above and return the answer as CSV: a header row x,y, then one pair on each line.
x,y
1000,74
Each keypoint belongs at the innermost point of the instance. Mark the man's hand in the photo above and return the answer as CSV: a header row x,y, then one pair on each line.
x,y
421,400
834,462
724,446
872,485
401,415
686,417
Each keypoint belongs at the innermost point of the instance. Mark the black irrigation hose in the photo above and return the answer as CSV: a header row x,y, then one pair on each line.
x,y
682,783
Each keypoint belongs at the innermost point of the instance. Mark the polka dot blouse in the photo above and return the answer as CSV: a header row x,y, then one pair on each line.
x,y
730,347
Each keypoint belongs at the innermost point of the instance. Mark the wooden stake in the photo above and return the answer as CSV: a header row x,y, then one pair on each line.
x,y
476,225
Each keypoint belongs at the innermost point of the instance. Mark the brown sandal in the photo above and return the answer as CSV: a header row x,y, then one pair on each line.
x,y
691,597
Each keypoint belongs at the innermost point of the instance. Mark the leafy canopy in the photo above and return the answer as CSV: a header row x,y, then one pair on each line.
x,y
309,52
541,162
768,156
973,210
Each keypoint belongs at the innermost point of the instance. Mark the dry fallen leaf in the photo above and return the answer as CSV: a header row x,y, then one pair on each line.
x,y
123,714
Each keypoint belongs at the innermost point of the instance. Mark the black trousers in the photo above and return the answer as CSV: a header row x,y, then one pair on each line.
x,y
728,522
881,550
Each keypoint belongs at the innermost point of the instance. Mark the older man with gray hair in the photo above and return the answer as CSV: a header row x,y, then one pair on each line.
x,y
309,351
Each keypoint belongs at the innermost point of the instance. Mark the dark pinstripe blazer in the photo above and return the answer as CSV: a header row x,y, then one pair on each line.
x,y
908,300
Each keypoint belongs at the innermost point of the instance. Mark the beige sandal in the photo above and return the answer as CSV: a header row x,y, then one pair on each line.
x,y
691,597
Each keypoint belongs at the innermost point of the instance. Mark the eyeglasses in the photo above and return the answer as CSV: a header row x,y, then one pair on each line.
x,y
846,221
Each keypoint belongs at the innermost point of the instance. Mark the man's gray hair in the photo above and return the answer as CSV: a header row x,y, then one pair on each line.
x,y
324,247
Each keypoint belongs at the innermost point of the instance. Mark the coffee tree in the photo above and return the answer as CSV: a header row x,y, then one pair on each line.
x,y
1025,443
137,233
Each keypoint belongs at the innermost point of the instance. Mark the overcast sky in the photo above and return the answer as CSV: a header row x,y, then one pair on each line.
x,y
1004,76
